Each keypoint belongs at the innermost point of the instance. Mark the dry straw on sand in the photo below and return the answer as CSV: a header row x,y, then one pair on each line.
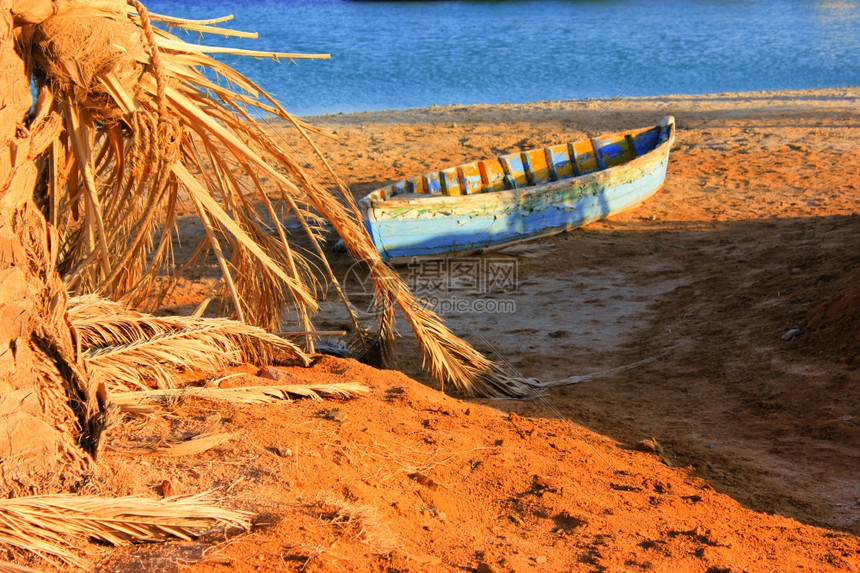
x,y
51,526
127,349
145,125
243,394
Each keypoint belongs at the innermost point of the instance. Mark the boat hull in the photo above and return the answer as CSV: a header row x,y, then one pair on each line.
x,y
420,227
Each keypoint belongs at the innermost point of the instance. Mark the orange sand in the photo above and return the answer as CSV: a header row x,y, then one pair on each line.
x,y
755,459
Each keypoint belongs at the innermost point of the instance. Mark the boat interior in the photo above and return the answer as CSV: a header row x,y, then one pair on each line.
x,y
530,168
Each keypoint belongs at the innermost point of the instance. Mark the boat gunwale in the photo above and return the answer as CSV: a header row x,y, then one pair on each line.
x,y
372,203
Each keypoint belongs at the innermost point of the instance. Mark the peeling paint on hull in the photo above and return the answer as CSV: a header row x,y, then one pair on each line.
x,y
405,225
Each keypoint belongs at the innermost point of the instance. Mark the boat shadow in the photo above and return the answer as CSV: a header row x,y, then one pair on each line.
x,y
741,391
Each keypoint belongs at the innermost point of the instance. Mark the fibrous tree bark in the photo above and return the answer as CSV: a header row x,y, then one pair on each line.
x,y
49,413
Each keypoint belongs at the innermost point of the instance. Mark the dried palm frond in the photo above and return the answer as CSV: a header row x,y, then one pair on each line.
x,y
51,527
145,126
126,348
189,447
240,395
131,96
6,567
101,322
159,357
361,522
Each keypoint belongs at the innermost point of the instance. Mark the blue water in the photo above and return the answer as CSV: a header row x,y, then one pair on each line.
x,y
397,55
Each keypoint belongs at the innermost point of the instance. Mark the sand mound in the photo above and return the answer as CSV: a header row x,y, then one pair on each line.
x,y
404,478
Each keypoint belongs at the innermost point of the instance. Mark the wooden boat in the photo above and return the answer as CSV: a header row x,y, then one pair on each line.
x,y
497,202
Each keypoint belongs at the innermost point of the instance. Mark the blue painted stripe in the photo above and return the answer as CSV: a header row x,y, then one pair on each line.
x,y
432,183
415,185
646,141
400,187
555,161
574,160
528,168
514,170
598,153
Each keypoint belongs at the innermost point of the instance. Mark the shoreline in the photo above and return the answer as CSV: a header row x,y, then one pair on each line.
x,y
835,93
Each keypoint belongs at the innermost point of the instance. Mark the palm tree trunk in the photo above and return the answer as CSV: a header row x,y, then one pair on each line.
x,y
49,414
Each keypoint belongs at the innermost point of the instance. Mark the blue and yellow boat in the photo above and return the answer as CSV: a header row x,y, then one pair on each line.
x,y
516,197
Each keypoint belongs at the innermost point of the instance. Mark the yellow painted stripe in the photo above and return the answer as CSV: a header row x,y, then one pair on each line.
x,y
585,156
450,181
492,174
557,155
416,185
470,178
536,159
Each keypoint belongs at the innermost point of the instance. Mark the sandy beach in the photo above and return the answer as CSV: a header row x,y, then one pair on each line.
x,y
736,447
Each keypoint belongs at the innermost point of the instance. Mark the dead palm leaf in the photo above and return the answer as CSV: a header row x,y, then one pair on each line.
x,y
240,395
129,349
362,522
160,356
145,126
189,447
102,322
53,526
6,567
